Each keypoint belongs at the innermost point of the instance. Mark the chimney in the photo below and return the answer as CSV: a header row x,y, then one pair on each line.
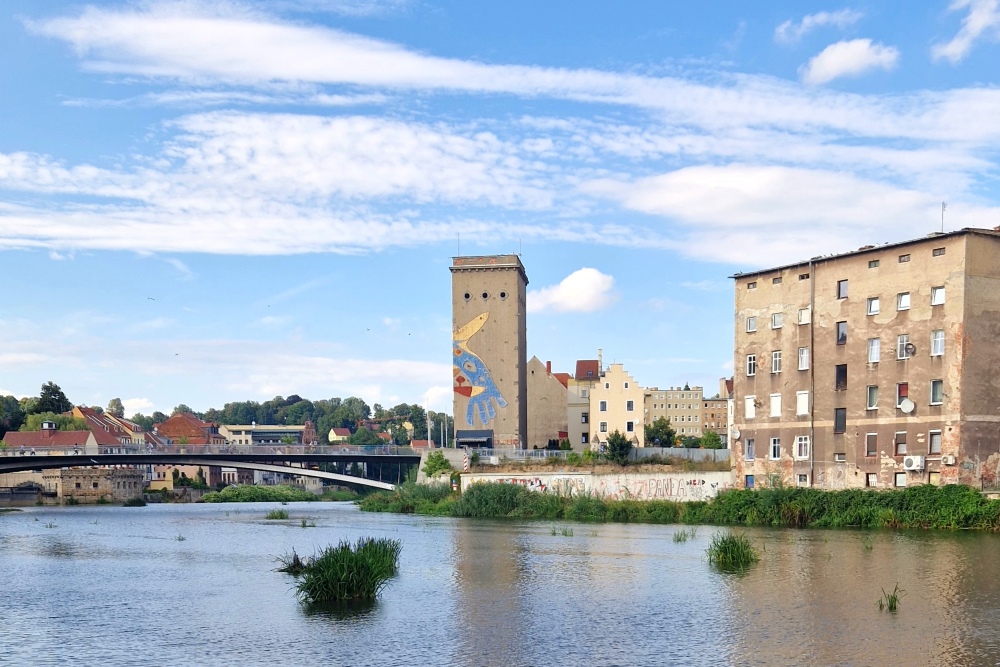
x,y
48,428
600,361
548,367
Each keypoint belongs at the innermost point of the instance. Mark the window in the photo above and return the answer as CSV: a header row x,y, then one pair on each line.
x,y
801,403
873,305
585,418
776,281
937,296
629,406
872,402
776,320
804,316
776,361
78,485
604,427
937,252
775,405
803,479
802,447
607,385
841,289
937,342
629,427
841,333
900,441
750,406
873,264
840,383
748,449
874,350
626,385
803,358
871,479
934,442
751,324
840,457
752,285
839,420
775,449
748,481
903,346
604,406
900,479
937,392
871,444
902,391
583,392
903,301
803,276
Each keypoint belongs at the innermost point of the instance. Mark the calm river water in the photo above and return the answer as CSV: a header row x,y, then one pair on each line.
x,y
117,586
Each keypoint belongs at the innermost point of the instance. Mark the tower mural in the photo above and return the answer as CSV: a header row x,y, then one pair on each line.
x,y
489,362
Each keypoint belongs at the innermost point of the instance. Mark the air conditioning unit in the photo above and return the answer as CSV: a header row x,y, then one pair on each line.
x,y
948,460
913,463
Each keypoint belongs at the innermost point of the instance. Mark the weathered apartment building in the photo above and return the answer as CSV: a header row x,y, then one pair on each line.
x,y
873,368
681,405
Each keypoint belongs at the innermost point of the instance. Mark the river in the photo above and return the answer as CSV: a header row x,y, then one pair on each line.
x,y
195,585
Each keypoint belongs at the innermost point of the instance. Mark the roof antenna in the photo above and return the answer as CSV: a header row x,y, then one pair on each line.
x,y
943,207
518,246
459,244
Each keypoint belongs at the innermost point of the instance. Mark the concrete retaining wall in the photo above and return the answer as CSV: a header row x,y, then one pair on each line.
x,y
677,486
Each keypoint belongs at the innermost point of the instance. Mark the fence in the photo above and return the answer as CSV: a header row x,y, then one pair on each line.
x,y
640,453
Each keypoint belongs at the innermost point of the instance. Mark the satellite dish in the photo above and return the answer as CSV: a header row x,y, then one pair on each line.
x,y
906,406
911,349
735,433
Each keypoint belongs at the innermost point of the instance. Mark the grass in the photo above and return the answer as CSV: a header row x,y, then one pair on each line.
x,y
180,538
890,601
685,534
732,552
258,494
346,572
277,515
339,495
50,525
949,507
308,524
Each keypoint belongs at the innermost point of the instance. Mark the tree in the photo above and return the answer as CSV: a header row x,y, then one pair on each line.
x,y
181,408
619,448
11,414
436,464
115,408
690,442
158,417
52,399
660,434
62,422
142,420
365,437
711,440
439,422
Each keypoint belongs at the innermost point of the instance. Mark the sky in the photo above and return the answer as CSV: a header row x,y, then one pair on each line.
x,y
205,201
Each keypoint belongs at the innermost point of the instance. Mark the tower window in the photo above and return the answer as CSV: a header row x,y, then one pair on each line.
x,y
467,296
486,295
503,295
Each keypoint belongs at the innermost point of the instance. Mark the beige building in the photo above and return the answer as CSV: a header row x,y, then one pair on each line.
x,y
547,404
88,485
681,405
874,368
616,404
579,429
489,351
268,434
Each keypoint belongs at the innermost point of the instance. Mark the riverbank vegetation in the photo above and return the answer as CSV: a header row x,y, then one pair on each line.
x,y
259,494
946,507
345,572
732,552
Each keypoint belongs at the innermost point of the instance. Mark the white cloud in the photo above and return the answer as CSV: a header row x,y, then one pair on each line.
x,y
848,58
983,18
185,272
704,285
134,405
582,291
391,322
790,31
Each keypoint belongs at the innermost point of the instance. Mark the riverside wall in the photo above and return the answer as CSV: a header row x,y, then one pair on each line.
x,y
676,486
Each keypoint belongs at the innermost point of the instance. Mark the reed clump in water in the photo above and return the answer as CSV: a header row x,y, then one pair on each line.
x,y
346,572
732,552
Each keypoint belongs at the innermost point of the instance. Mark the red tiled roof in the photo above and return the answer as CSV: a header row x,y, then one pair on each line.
x,y
563,378
420,443
15,439
587,368
385,436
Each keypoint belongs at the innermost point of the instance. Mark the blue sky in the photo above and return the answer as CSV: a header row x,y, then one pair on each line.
x,y
206,201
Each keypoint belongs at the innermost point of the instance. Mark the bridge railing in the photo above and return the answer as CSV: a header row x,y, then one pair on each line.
x,y
177,448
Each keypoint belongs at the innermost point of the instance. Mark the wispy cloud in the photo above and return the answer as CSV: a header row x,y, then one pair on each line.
x,y
705,285
792,31
134,405
849,58
583,291
185,272
982,20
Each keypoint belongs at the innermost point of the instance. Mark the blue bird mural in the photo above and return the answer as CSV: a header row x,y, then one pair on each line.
x,y
472,377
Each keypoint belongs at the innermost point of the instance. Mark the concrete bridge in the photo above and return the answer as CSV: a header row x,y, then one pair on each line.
x,y
290,460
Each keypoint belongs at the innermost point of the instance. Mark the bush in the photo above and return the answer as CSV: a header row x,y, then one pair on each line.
x,y
346,572
619,448
134,502
436,464
259,494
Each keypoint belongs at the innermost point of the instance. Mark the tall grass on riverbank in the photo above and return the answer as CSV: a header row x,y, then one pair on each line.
x,y
259,494
345,572
947,507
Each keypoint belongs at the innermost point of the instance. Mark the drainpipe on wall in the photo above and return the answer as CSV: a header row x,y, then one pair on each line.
x,y
812,371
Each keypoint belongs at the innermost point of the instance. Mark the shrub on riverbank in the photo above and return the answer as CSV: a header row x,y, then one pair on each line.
x,y
339,495
345,572
947,507
258,494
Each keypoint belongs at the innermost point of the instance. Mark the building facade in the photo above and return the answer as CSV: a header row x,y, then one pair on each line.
x,y
616,404
874,368
714,417
489,351
547,404
579,386
681,405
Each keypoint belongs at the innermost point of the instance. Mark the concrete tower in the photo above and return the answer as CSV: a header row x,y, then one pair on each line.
x,y
489,351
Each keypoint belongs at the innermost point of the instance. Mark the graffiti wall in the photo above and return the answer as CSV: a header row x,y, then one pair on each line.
x,y
619,486
472,378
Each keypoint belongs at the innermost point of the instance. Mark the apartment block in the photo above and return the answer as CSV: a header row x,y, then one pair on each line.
x,y
681,405
714,416
873,368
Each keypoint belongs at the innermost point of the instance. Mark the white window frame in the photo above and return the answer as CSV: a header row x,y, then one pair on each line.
x,y
776,361
937,296
873,305
802,403
803,358
750,407
629,406
874,350
804,316
896,443
775,406
940,383
630,427
930,442
751,324
748,452
899,398
774,449
602,406
902,340
776,320
903,301
603,427
801,447
868,436
802,479
869,404
751,368
625,385
842,290
937,342
899,479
